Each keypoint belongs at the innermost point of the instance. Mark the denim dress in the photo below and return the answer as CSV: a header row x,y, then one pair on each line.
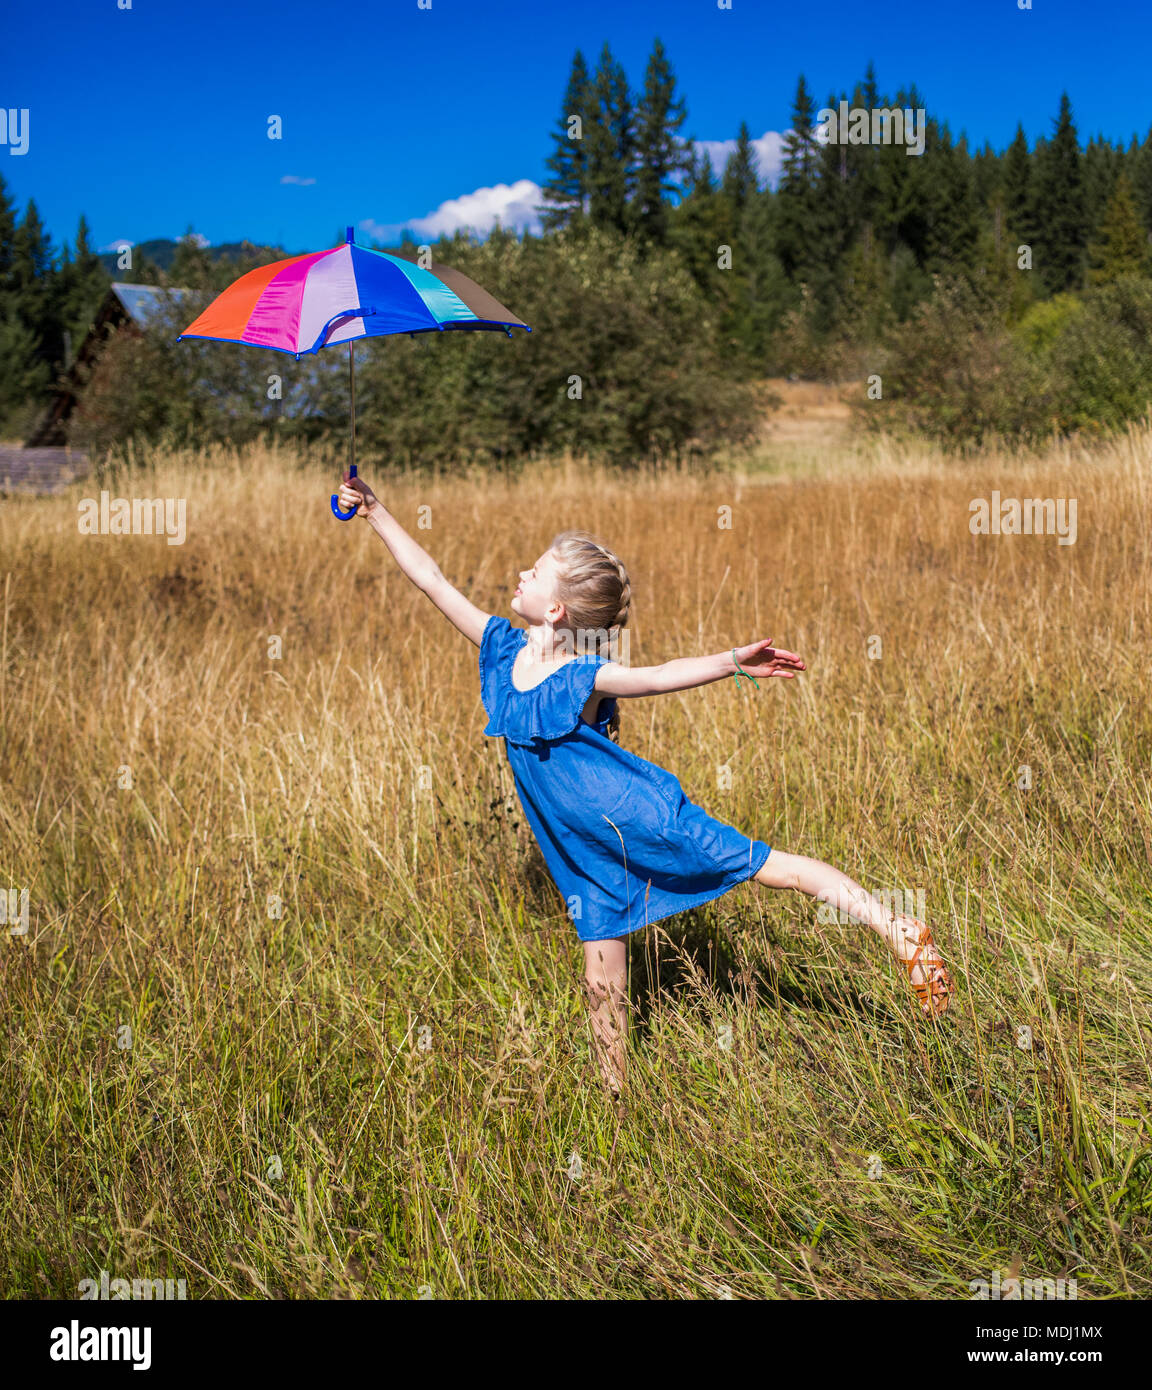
x,y
624,845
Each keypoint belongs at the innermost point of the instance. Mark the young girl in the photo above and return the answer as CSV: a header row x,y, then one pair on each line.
x,y
623,844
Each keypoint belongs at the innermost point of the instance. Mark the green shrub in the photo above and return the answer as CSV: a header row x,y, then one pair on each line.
x,y
624,360
1103,357
955,373
1044,322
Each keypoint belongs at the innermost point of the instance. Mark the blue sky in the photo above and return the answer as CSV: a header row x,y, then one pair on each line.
x,y
151,118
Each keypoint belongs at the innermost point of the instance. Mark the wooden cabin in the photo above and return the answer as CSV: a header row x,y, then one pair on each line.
x,y
125,309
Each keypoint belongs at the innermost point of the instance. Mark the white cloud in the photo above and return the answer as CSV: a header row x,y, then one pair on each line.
x,y
768,149
297,178
513,205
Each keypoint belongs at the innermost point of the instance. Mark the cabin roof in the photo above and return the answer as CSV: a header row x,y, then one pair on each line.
x,y
142,303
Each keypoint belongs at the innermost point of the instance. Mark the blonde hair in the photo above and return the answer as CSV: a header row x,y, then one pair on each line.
x,y
593,586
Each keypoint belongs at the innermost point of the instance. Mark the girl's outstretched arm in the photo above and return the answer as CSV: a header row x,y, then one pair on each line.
x,y
414,560
758,659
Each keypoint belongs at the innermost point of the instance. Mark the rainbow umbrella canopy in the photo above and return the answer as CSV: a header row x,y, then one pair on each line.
x,y
337,296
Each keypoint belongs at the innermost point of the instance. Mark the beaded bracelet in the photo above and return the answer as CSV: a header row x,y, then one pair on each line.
x,y
740,671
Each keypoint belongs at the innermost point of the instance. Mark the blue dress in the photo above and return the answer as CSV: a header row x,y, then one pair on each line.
x,y
623,844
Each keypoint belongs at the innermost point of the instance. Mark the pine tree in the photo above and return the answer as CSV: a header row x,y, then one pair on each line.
x,y
1102,163
740,184
759,293
885,181
908,283
83,284
566,193
701,181
15,352
863,311
7,235
611,147
1120,246
24,378
32,277
1019,212
834,216
860,164
191,266
145,271
870,95
32,329
876,175
801,148
699,224
986,177
1061,225
33,256
995,260
754,288
1142,180
964,211
662,158
943,222
797,224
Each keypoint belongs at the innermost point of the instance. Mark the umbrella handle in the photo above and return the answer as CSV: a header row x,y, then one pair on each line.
x,y
344,516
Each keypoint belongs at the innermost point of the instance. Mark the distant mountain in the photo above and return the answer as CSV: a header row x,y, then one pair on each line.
x,y
162,250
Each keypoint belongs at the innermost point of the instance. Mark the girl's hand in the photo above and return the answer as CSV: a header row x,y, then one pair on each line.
x,y
763,659
355,492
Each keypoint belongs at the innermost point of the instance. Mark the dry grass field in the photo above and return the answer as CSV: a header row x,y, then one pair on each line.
x,y
297,1011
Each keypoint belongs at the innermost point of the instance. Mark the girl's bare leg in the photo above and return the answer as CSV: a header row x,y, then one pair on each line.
x,y
829,885
606,985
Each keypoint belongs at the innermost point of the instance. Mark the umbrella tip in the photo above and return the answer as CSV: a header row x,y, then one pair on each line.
x,y
349,238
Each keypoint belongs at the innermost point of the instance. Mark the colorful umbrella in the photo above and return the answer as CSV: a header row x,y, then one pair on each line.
x,y
312,301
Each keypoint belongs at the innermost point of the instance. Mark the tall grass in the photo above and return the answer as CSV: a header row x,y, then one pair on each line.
x,y
388,1089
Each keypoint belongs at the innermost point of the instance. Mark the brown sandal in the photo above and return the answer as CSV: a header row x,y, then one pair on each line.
x,y
935,990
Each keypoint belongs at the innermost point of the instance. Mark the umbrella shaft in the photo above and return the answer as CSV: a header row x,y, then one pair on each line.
x,y
352,394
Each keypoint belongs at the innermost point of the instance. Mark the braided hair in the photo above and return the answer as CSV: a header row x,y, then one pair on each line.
x,y
593,586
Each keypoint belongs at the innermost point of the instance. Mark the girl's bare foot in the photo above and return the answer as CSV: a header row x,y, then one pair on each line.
x,y
612,1068
929,978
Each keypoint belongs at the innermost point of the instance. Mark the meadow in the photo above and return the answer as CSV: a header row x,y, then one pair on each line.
x,y
298,1010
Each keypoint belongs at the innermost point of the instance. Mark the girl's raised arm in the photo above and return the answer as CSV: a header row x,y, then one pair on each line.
x,y
757,659
414,560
